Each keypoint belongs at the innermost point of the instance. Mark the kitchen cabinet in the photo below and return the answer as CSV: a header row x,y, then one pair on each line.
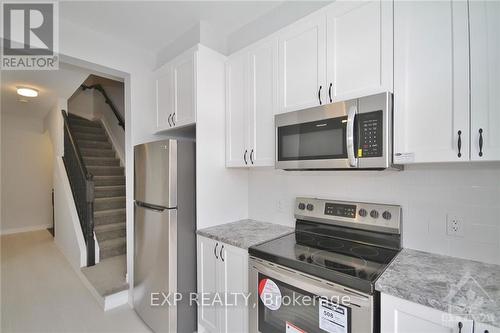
x,y
250,106
359,49
222,269
181,85
483,328
484,23
402,316
302,64
431,81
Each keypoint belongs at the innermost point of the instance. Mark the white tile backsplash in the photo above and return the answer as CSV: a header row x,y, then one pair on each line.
x,y
427,193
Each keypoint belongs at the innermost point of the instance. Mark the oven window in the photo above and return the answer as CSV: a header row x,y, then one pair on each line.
x,y
320,315
325,139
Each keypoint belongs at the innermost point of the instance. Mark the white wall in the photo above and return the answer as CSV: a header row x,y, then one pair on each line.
x,y
26,174
427,193
82,103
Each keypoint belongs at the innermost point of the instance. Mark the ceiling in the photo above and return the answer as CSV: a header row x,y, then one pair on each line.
x,y
153,25
50,84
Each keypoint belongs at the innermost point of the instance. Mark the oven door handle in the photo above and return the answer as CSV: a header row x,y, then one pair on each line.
x,y
351,115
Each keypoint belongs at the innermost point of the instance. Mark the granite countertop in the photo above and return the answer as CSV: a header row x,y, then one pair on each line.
x,y
245,233
466,288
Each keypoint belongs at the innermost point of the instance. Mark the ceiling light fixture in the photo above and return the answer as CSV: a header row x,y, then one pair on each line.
x,y
27,92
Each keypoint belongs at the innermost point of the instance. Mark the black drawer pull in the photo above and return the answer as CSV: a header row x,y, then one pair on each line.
x,y
169,123
460,325
220,253
215,250
330,92
245,156
480,142
459,143
319,95
251,156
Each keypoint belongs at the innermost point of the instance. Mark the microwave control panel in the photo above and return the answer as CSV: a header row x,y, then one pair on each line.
x,y
370,129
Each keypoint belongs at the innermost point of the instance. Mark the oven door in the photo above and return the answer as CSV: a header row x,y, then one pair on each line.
x,y
286,301
317,138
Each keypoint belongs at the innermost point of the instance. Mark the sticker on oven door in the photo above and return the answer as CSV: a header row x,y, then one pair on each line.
x,y
333,318
291,328
270,294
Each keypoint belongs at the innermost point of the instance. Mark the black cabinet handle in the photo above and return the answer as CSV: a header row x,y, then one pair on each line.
x,y
222,248
173,115
251,156
459,143
460,325
215,250
319,95
330,92
480,142
245,156
169,116
486,331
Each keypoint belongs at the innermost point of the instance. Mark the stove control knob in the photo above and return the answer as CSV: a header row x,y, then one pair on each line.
x,y
310,207
386,215
362,212
302,257
374,214
309,259
302,206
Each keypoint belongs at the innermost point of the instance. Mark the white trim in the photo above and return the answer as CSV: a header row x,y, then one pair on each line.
x,y
114,140
25,229
115,300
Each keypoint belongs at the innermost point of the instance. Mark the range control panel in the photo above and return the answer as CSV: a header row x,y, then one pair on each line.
x,y
370,127
360,215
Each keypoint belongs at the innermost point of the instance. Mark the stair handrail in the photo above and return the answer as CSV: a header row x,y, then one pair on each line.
x,y
83,195
108,101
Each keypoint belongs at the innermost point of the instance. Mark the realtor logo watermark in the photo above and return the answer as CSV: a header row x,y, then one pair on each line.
x,y
30,36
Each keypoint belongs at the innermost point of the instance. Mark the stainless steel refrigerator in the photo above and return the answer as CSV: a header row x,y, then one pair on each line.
x,y
164,237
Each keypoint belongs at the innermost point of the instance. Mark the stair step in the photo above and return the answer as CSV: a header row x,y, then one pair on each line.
x,y
109,180
101,161
94,144
83,122
109,191
90,136
88,129
110,231
106,170
92,152
109,203
110,216
112,247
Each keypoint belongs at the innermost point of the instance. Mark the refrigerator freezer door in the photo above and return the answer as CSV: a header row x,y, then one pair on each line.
x,y
155,262
156,173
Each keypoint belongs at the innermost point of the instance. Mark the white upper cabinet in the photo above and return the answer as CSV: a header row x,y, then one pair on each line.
x,y
262,102
359,49
485,79
236,110
164,97
184,75
302,64
431,83
250,105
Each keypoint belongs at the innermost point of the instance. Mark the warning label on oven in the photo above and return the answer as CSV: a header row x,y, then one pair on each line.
x,y
270,294
333,318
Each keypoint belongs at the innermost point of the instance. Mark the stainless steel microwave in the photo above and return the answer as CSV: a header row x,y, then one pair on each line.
x,y
354,134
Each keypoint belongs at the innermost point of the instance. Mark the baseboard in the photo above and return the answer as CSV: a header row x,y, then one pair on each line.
x,y
25,229
115,300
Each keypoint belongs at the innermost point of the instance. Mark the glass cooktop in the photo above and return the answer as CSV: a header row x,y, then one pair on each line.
x,y
352,264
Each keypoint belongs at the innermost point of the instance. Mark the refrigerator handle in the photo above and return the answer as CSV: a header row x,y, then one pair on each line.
x,y
155,208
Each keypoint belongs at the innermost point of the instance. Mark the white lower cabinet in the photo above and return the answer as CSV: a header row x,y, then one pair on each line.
x,y
401,316
483,328
222,272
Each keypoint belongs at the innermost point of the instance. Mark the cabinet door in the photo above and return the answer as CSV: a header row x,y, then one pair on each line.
x,y
164,97
208,316
262,103
359,49
401,316
302,64
236,110
184,73
483,328
485,79
234,284
431,85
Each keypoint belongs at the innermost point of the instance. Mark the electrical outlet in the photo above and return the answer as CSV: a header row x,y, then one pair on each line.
x,y
454,226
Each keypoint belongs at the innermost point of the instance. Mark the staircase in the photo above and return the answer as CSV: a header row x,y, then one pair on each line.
x,y
100,160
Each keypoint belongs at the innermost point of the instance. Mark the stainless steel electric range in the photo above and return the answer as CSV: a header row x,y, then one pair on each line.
x,y
321,278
